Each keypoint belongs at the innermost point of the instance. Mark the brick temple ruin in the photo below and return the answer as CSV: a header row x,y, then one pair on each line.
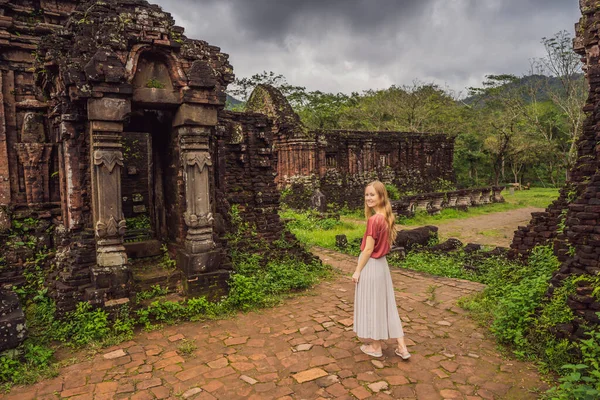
x,y
111,115
319,167
572,222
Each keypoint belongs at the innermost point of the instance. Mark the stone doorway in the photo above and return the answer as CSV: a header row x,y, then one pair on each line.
x,y
148,182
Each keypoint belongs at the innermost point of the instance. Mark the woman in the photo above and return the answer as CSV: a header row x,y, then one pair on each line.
x,y
375,312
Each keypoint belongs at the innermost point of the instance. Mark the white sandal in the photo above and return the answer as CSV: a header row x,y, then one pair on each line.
x,y
363,348
404,355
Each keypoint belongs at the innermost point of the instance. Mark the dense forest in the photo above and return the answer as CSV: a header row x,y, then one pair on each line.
x,y
509,129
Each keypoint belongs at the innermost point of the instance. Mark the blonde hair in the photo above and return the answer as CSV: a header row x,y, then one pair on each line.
x,y
390,219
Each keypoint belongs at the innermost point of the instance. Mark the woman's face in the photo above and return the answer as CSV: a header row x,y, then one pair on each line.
x,y
371,197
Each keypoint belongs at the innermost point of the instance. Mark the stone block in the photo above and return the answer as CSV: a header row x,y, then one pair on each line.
x,y
213,285
195,264
147,248
107,126
5,221
110,277
192,114
12,321
108,109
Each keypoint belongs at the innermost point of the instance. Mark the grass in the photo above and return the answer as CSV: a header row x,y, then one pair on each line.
x,y
493,233
311,230
321,232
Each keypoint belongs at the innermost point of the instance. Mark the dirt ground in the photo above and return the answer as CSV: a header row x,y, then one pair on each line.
x,y
493,229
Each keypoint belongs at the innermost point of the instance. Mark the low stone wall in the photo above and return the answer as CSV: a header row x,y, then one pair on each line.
x,y
434,203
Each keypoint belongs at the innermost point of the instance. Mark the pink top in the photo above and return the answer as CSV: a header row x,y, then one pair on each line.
x,y
377,228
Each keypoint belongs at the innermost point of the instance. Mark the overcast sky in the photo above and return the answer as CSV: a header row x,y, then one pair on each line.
x,y
354,45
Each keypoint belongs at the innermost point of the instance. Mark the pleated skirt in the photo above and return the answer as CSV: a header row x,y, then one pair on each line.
x,y
375,312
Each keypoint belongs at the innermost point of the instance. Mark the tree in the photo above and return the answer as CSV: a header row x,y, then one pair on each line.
x,y
324,110
417,108
500,118
562,62
243,87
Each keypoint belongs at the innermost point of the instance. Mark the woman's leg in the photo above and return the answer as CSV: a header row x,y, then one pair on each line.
x,y
402,349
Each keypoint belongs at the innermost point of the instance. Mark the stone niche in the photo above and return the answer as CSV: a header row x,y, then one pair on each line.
x,y
113,135
152,85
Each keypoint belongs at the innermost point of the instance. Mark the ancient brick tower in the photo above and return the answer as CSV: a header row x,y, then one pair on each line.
x,y
109,113
572,222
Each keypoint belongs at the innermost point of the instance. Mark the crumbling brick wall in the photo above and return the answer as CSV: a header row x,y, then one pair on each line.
x,y
57,55
245,178
339,163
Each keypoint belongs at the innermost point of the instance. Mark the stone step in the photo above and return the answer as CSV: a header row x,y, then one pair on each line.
x,y
150,272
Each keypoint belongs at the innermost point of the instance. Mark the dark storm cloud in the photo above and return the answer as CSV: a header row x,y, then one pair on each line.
x,y
346,45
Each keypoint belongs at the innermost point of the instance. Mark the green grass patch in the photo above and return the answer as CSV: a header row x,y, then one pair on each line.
x,y
450,266
315,231
534,197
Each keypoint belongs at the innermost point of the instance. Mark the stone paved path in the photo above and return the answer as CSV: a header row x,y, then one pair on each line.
x,y
305,349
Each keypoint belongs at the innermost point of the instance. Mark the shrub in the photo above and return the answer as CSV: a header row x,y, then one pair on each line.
x,y
393,192
83,325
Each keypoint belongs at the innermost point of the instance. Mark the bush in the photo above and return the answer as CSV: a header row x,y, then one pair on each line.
x,y
581,381
83,325
393,192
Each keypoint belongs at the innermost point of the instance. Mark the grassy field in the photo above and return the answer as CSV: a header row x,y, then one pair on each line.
x,y
313,231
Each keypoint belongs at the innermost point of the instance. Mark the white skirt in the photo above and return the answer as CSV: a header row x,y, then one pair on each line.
x,y
375,311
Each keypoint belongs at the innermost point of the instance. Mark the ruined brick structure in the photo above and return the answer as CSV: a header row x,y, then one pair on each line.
x,y
572,222
339,163
113,140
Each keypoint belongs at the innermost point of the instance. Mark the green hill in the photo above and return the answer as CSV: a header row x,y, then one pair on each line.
x,y
540,83
233,104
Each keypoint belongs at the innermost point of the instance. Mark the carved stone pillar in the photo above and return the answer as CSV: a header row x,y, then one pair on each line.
x,y
112,272
107,160
72,182
199,259
196,161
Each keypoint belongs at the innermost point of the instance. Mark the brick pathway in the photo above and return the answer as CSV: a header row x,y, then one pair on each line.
x,y
305,349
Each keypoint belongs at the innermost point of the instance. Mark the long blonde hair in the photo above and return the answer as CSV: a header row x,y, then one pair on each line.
x,y
390,219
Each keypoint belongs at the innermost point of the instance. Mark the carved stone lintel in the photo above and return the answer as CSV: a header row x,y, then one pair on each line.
x,y
108,158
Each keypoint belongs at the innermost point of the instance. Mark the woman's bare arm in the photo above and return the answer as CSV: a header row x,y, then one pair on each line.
x,y
364,257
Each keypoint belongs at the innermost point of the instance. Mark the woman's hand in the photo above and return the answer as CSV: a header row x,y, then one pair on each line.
x,y
355,277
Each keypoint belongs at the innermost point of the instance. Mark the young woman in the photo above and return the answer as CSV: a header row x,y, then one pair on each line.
x,y
375,312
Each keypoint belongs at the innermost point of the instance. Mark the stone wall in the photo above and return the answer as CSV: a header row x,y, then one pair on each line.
x,y
339,163
571,223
